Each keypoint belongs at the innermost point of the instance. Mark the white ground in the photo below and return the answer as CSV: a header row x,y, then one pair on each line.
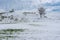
x,y
42,29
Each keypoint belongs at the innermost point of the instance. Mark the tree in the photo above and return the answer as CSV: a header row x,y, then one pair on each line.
x,y
12,10
11,17
41,12
16,19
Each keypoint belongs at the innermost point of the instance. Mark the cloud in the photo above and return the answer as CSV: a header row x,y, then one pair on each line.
x,y
49,1
53,9
18,4
50,5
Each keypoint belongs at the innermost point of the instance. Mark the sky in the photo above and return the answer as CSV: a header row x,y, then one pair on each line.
x,y
50,5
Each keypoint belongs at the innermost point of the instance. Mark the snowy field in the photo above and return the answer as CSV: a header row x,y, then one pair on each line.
x,y
40,29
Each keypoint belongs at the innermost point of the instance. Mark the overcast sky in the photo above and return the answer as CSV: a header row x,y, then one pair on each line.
x,y
50,5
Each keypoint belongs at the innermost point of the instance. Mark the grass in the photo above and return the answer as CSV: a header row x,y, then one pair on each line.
x,y
10,31
8,36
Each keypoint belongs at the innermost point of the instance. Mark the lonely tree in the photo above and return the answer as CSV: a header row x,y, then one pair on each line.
x,y
41,12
